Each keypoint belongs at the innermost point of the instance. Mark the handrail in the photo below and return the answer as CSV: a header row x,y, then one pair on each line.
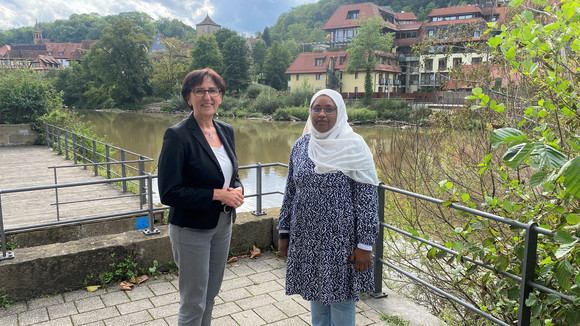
x,y
526,280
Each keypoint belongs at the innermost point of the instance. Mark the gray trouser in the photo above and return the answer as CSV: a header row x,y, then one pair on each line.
x,y
201,257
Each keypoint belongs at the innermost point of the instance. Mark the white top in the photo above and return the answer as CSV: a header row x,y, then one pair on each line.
x,y
225,163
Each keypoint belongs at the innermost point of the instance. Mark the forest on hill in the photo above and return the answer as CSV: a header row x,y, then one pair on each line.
x,y
301,24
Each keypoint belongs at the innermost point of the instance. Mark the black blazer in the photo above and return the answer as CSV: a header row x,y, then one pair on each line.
x,y
189,172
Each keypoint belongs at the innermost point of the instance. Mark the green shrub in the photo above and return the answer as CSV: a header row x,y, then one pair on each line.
x,y
175,104
253,91
300,113
387,109
361,115
266,105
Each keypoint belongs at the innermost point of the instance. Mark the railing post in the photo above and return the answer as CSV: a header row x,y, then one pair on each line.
x,y
5,254
123,170
84,145
258,211
528,273
108,159
59,148
141,181
378,265
151,229
47,135
56,195
66,144
96,167
74,148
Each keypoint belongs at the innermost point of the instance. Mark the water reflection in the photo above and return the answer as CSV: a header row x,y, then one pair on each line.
x,y
257,140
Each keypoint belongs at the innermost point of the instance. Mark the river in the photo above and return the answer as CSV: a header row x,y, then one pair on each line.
x,y
257,141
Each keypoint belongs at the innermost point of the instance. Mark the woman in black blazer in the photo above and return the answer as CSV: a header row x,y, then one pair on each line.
x,y
198,179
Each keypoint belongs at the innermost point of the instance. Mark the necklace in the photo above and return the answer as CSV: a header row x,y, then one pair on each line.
x,y
210,135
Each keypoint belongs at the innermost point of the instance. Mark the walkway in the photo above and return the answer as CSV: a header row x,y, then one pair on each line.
x,y
27,166
252,294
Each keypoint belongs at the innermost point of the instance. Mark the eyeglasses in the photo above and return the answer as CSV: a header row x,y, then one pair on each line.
x,y
327,109
200,92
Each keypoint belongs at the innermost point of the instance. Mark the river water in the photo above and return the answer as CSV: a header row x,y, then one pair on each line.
x,y
257,141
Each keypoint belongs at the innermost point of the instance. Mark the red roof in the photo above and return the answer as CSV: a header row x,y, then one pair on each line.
x,y
368,9
4,50
454,11
409,27
406,16
457,21
305,63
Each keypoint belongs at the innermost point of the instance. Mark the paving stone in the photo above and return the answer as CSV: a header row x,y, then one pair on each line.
x,y
270,313
223,321
248,318
136,318
82,294
171,321
266,287
254,302
135,306
291,307
294,321
62,310
235,283
259,266
114,298
95,315
163,300
97,323
262,277
242,270
279,295
162,288
361,320
11,320
88,304
14,309
235,294
32,316
45,302
139,292
157,322
165,311
64,321
224,309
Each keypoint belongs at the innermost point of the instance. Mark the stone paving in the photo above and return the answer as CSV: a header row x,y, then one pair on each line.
x,y
252,294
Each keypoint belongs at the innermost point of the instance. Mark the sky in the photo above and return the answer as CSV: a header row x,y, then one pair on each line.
x,y
242,16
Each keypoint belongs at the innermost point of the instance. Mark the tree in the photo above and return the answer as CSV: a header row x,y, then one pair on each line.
x,y
120,64
170,68
266,37
222,36
275,65
25,96
259,55
236,65
73,83
206,54
368,42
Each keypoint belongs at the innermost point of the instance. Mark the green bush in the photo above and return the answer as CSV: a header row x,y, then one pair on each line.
x,y
361,115
300,113
387,109
175,104
266,105
253,91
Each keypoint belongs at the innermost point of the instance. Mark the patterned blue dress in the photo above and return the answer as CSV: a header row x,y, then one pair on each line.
x,y
327,215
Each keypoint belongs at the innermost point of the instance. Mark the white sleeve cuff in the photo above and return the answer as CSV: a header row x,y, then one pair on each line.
x,y
365,247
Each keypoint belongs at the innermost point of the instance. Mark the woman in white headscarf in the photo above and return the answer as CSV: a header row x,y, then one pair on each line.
x,y
329,221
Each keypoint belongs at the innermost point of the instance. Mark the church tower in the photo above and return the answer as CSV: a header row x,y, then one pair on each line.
x,y
37,34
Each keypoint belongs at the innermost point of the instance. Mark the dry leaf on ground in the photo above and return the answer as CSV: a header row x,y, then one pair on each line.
x,y
232,259
126,286
93,288
142,279
255,253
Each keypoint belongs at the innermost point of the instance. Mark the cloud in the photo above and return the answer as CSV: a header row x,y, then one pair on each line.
x,y
242,16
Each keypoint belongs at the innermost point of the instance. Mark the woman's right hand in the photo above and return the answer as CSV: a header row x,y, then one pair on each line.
x,y
233,197
283,246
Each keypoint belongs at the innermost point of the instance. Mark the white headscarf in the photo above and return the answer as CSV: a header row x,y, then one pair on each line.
x,y
340,148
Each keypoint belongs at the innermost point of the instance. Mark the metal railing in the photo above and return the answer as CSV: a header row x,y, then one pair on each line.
x,y
526,280
99,155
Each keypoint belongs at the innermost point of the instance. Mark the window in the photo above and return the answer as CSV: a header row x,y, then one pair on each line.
x,y
475,61
318,62
429,64
457,62
297,77
49,53
319,76
443,64
431,32
341,60
356,75
352,14
476,34
61,53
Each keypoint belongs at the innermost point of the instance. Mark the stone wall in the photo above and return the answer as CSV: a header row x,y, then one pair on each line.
x,y
17,135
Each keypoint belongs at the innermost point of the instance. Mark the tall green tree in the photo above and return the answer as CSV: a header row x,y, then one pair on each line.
x,y
275,65
169,68
222,36
369,41
236,64
120,64
73,83
259,56
206,54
